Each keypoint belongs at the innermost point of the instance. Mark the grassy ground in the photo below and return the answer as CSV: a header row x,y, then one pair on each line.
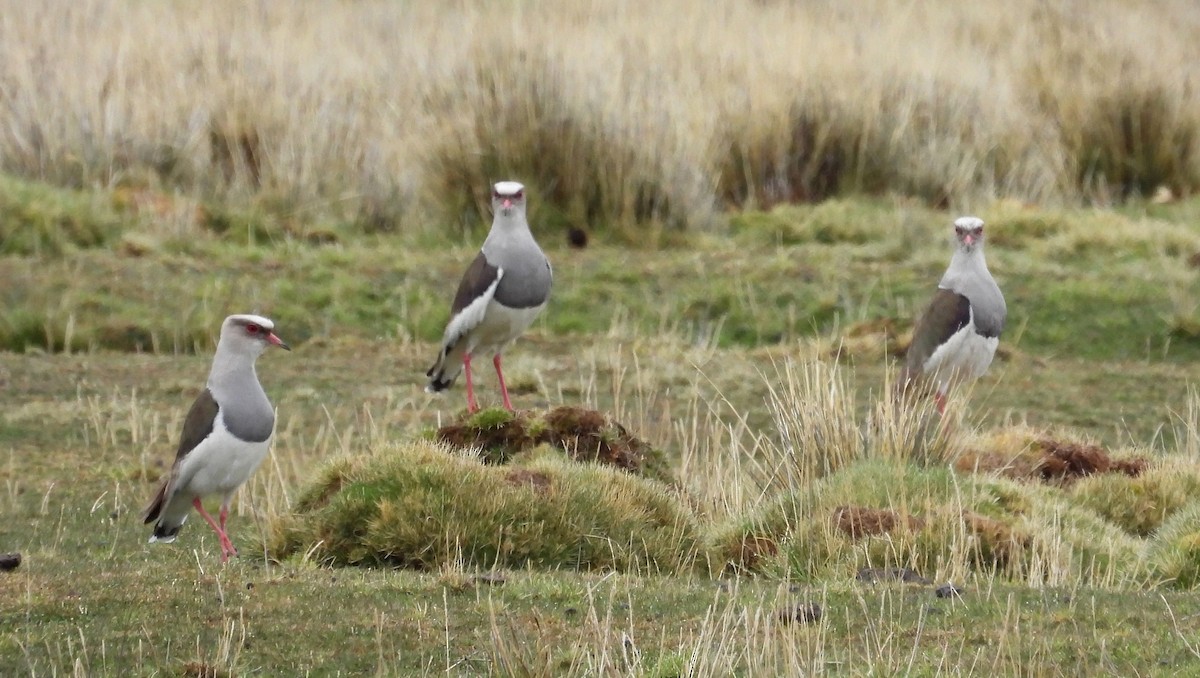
x,y
685,346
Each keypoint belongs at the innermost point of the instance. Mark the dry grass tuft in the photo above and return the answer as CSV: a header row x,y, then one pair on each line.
x,y
385,115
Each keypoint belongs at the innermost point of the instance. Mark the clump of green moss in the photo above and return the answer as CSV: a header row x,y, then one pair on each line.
x,y
418,505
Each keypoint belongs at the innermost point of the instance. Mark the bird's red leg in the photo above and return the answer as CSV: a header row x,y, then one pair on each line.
x,y
940,399
225,545
472,406
503,389
223,517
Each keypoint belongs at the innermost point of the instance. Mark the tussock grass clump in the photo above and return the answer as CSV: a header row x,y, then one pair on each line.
x,y
822,429
1141,504
417,505
546,123
583,435
899,489
1174,554
880,514
41,220
833,221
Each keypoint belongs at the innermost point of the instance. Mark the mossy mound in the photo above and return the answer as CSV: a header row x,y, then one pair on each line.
x,y
584,435
1174,554
39,219
418,505
1029,506
942,524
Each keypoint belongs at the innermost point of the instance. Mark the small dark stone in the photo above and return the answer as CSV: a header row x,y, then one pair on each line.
x,y
948,591
724,585
10,561
930,609
803,613
570,612
874,574
249,586
577,237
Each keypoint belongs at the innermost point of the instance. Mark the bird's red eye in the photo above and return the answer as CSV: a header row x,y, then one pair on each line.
x,y
518,195
496,195
252,328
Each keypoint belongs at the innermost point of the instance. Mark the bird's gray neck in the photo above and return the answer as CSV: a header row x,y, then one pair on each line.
x,y
509,233
963,261
231,370
244,407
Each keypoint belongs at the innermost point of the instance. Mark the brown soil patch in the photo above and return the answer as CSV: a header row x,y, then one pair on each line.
x,y
1070,461
498,444
1050,461
584,435
587,435
857,521
749,553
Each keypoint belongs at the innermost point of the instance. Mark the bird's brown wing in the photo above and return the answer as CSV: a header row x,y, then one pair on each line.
x,y
197,426
947,313
480,276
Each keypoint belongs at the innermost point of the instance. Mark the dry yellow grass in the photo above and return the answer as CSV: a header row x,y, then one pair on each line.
x,y
629,113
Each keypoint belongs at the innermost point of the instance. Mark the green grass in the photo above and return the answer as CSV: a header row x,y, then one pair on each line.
x,y
715,350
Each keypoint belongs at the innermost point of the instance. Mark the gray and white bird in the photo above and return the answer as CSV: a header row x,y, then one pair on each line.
x,y
501,294
226,433
956,337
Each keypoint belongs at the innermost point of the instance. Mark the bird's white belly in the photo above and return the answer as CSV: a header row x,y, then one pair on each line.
x,y
220,463
965,355
500,326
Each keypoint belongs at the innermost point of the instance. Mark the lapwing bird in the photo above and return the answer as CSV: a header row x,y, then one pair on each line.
x,y
501,294
955,339
225,437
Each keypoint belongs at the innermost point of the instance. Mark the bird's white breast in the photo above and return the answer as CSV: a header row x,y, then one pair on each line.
x,y
965,355
220,463
500,326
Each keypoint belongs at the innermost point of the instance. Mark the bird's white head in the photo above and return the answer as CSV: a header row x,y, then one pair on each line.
x,y
508,199
249,334
968,231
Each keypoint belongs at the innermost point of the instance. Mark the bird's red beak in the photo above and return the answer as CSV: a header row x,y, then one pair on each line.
x,y
968,239
506,203
274,339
